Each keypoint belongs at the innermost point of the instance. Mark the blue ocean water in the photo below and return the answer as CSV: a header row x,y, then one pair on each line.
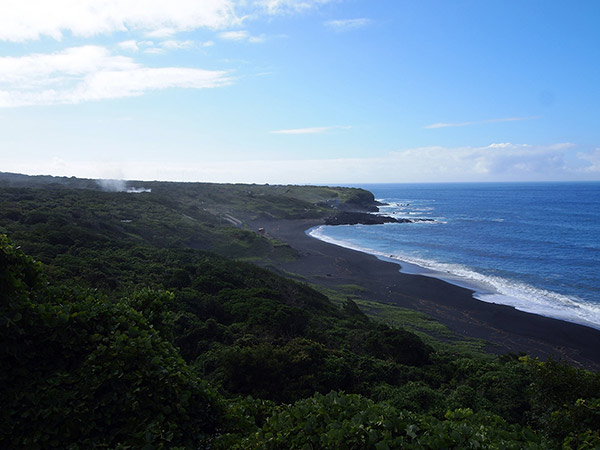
x,y
534,246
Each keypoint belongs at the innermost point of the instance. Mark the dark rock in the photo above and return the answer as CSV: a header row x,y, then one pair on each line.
x,y
354,218
363,218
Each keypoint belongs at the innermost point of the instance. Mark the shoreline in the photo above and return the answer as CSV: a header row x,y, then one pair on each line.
x,y
482,289
507,329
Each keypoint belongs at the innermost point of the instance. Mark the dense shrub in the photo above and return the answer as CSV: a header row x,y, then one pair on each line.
x,y
83,371
351,422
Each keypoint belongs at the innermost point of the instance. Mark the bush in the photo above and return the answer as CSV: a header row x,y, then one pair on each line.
x,y
82,371
351,422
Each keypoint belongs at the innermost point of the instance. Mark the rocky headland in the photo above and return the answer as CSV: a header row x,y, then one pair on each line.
x,y
365,218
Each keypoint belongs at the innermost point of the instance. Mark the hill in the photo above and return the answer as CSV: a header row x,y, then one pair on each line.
x,y
131,325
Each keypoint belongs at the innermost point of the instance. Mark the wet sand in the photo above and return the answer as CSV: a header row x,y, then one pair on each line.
x,y
505,328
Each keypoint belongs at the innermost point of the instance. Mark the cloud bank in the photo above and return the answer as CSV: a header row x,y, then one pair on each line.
x,y
496,162
88,73
24,20
91,72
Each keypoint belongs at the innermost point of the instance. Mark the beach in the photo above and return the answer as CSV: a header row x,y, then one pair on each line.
x,y
506,329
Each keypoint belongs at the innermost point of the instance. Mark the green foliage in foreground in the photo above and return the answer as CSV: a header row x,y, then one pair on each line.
x,y
84,371
341,421
123,338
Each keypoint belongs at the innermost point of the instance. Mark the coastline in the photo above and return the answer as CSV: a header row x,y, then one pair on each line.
x,y
483,289
504,327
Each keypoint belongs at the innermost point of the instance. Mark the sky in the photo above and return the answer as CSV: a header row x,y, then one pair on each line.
x,y
301,91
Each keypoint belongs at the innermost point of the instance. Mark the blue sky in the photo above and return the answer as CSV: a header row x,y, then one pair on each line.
x,y
301,91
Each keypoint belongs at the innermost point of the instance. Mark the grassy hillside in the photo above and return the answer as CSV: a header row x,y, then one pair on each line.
x,y
52,217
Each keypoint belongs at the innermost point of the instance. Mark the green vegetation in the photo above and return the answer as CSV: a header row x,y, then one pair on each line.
x,y
428,329
86,371
132,335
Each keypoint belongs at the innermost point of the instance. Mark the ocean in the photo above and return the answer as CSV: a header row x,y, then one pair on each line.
x,y
533,246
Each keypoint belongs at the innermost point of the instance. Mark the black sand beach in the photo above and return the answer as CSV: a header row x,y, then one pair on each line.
x,y
505,328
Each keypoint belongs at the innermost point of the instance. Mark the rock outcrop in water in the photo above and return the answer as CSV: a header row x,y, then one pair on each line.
x,y
363,218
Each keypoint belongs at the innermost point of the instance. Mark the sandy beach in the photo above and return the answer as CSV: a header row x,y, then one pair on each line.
x,y
505,328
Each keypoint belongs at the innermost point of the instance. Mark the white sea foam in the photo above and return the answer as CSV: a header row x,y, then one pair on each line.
x,y
487,288
406,209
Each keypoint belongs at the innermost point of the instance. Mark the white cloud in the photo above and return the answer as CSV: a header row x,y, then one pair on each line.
x,y
562,146
23,20
495,162
313,130
290,6
347,24
176,45
130,45
88,73
257,39
446,125
149,47
501,145
479,122
593,160
241,35
70,62
155,51
161,33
